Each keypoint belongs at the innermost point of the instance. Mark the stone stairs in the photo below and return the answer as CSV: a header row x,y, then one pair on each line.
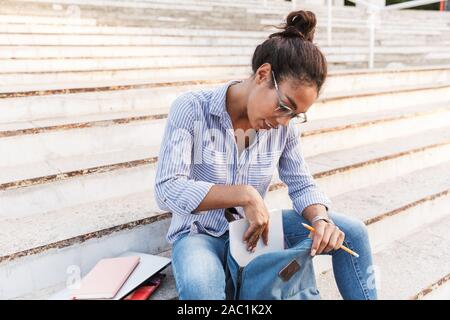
x,y
82,111
114,31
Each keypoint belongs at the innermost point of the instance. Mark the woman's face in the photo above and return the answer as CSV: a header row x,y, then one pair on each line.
x,y
263,101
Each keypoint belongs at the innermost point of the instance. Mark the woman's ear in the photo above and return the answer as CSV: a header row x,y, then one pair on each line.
x,y
263,74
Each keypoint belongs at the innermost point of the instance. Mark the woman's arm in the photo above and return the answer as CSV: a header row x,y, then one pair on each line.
x,y
294,172
307,198
175,190
225,196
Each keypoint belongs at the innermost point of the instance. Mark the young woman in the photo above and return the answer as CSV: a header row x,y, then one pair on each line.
x,y
220,149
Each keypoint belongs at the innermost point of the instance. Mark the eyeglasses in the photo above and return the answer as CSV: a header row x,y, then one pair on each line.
x,y
286,111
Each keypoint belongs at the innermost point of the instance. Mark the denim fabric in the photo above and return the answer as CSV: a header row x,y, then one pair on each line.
x,y
199,260
260,278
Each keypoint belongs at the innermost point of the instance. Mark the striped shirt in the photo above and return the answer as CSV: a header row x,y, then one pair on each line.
x,y
199,150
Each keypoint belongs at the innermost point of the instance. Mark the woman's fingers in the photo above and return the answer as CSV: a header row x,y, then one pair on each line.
x,y
318,235
333,240
265,235
254,240
327,237
249,233
254,232
252,235
340,241
328,231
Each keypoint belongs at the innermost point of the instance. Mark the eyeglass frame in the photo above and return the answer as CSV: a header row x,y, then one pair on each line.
x,y
300,117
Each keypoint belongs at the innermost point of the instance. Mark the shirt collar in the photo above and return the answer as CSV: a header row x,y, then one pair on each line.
x,y
218,98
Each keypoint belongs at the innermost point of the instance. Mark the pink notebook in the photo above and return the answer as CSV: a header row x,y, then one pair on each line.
x,y
106,278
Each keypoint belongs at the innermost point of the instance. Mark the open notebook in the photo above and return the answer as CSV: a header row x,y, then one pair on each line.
x,y
238,248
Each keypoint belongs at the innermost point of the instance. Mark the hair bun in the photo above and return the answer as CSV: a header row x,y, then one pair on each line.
x,y
300,24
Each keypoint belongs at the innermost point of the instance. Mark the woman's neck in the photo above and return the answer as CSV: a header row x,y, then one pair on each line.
x,y
236,102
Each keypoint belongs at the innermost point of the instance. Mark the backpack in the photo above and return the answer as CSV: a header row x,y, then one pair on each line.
x,y
281,275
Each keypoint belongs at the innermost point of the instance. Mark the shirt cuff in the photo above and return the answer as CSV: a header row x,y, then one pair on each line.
x,y
309,199
187,198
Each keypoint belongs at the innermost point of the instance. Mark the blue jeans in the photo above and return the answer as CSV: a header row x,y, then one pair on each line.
x,y
199,266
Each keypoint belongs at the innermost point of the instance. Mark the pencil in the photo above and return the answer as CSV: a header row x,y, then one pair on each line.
x,y
342,246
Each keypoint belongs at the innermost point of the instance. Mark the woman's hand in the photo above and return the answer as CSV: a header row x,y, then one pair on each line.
x,y
257,215
327,237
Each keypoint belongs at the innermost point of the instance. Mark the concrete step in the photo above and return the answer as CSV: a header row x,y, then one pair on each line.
x,y
339,25
35,149
358,13
439,290
59,238
389,42
407,59
279,8
95,40
198,37
409,268
94,71
374,101
30,29
248,22
88,64
107,12
171,4
20,71
47,54
18,66
47,20
336,172
65,78
94,59
64,88
32,53
142,3
339,82
194,37
411,13
19,34
414,22
191,6
38,52
63,94
342,105
252,8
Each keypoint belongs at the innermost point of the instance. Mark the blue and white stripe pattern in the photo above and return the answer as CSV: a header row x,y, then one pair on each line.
x,y
198,150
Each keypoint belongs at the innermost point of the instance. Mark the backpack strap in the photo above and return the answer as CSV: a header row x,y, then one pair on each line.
x,y
229,214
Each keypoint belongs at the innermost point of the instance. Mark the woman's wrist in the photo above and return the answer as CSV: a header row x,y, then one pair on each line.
x,y
316,210
321,218
247,195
